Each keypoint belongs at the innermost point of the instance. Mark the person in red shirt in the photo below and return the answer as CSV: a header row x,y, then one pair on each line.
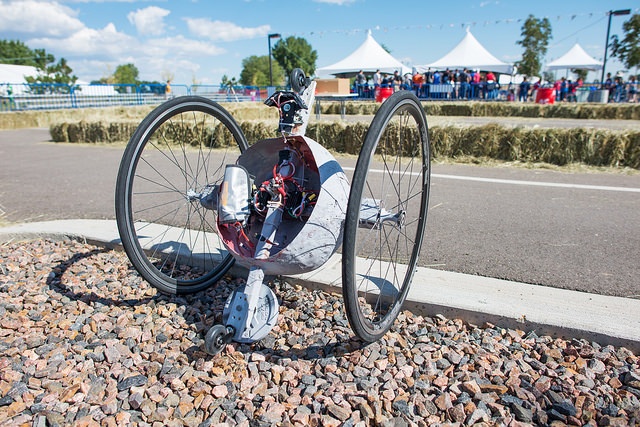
x,y
491,85
573,90
558,88
475,84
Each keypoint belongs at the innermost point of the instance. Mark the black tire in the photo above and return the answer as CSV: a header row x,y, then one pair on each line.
x,y
299,81
378,262
180,148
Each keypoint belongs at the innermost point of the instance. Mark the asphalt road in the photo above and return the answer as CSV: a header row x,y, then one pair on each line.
x,y
572,230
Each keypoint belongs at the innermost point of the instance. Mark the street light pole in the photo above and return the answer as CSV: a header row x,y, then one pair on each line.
x,y
271,36
606,44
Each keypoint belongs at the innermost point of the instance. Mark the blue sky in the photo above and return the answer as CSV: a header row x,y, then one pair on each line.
x,y
197,41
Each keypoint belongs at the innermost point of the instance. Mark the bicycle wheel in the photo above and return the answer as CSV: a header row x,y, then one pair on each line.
x,y
175,156
386,216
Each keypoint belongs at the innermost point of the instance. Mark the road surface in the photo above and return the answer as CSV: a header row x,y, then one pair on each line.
x,y
571,230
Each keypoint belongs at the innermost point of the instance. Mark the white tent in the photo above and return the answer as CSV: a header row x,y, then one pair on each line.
x,y
16,73
470,54
576,58
369,57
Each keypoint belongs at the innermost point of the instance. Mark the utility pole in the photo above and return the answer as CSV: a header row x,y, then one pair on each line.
x,y
277,36
606,43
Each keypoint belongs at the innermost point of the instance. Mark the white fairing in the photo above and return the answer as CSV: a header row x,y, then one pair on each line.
x,y
300,245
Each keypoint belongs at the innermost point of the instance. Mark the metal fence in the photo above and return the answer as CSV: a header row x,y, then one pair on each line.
x,y
41,96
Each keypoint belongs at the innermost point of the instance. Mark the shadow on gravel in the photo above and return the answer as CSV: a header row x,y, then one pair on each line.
x,y
202,310
54,281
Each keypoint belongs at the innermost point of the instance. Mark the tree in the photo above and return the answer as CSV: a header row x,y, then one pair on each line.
x,y
56,76
536,34
42,59
295,52
16,52
228,82
126,74
255,71
548,76
580,73
627,50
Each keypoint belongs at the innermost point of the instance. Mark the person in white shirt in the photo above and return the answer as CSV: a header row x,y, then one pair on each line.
x,y
377,79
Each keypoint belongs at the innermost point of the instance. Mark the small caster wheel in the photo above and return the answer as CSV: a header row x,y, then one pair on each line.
x,y
299,82
216,339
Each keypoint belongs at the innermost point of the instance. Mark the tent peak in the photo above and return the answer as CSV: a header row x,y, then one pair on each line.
x,y
469,53
576,57
369,57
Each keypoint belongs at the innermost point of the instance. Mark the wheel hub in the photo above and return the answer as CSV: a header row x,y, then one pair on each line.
x,y
263,319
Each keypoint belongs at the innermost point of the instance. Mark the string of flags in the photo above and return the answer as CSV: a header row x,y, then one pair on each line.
x,y
471,24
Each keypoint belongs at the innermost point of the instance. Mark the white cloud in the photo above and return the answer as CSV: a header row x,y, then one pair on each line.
x,y
89,43
149,21
181,47
338,2
36,17
225,31
98,52
108,1
93,53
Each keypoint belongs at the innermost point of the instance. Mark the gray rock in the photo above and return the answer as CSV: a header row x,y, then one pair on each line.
x,y
565,408
522,414
134,381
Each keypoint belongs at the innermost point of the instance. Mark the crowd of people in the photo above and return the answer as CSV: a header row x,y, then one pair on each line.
x,y
467,84
436,84
565,90
621,91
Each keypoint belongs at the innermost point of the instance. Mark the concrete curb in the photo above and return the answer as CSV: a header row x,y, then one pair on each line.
x,y
475,299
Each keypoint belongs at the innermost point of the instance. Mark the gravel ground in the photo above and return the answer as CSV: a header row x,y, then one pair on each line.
x,y
84,341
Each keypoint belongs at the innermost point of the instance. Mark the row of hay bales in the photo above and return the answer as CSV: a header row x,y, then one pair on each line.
x,y
554,146
563,110
257,111
594,147
46,118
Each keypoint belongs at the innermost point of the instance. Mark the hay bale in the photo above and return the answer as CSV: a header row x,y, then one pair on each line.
x,y
353,137
431,108
329,135
121,132
554,146
632,151
96,132
444,141
75,131
257,130
58,132
352,108
457,109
